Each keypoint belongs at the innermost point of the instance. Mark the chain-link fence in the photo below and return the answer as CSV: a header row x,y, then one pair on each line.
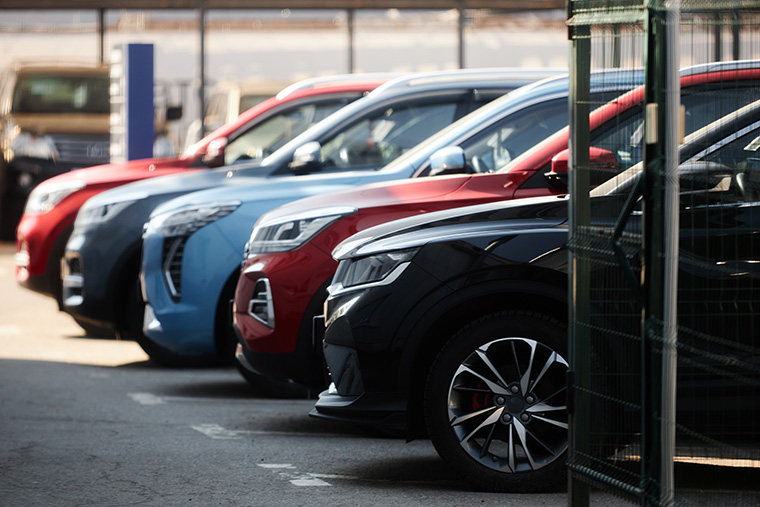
x,y
665,361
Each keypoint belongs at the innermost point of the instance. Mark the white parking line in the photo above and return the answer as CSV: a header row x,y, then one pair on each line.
x,y
218,432
147,398
295,478
155,399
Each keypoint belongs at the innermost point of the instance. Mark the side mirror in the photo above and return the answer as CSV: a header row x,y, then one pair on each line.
x,y
173,113
306,158
448,160
601,159
214,156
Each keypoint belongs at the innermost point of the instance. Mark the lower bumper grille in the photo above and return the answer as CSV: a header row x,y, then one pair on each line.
x,y
172,265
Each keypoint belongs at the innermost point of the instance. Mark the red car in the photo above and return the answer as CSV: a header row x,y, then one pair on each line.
x,y
52,206
284,278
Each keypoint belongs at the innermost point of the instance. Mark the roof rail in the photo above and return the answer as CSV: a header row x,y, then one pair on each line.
x,y
316,82
449,76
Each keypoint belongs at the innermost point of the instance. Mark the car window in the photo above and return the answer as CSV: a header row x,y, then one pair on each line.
x,y
41,93
380,138
734,174
728,173
702,105
216,111
496,145
268,136
250,100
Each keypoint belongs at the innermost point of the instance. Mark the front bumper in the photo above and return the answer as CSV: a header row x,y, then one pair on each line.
x,y
347,399
386,411
182,297
91,265
40,245
277,299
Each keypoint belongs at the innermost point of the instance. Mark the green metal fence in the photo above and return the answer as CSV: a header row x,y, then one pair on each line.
x,y
665,260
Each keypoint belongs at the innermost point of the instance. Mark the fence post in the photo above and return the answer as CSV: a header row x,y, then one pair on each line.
x,y
660,243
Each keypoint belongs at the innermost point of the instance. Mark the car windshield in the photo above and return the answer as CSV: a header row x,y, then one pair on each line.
x,y
378,139
622,135
270,135
56,94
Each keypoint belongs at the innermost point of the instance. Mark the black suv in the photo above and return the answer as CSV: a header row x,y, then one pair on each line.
x,y
453,325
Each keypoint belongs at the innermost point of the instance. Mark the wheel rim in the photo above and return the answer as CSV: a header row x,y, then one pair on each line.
x,y
506,405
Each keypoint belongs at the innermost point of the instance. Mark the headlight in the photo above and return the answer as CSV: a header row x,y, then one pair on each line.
x,y
185,221
25,144
292,232
370,269
95,214
47,195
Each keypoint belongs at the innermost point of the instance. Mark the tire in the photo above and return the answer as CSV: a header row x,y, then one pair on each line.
x,y
494,402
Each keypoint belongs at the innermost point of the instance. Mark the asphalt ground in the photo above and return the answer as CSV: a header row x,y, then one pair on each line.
x,y
92,422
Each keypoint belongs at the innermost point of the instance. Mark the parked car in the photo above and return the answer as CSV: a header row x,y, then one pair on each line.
x,y
100,274
52,206
54,117
187,317
454,324
287,264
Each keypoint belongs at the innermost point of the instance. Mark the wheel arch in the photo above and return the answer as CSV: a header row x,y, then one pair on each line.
x,y
126,277
535,290
224,335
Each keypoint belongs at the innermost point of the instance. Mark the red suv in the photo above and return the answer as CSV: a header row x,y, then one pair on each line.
x,y
52,206
288,263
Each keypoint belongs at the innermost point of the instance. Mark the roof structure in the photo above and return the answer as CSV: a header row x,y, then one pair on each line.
x,y
501,5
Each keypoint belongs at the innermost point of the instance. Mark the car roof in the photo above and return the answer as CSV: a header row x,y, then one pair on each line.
x,y
58,67
431,81
295,92
336,80
408,86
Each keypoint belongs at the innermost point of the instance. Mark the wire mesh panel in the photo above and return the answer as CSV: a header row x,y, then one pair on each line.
x,y
622,179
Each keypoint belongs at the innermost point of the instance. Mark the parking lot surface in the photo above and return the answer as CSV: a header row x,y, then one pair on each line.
x,y
87,421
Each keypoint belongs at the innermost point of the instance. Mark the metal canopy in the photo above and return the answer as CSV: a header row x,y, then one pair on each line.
x,y
204,6
501,5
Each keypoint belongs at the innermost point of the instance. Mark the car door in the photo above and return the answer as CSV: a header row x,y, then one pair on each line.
x,y
718,296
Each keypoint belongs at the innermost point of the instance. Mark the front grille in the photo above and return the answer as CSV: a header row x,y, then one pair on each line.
x,y
172,265
84,149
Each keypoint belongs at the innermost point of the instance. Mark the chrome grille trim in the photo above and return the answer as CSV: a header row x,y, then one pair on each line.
x,y
172,265
86,149
262,299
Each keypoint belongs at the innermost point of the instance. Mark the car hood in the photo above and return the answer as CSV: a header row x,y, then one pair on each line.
x,y
65,123
279,189
183,182
538,212
373,195
109,174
